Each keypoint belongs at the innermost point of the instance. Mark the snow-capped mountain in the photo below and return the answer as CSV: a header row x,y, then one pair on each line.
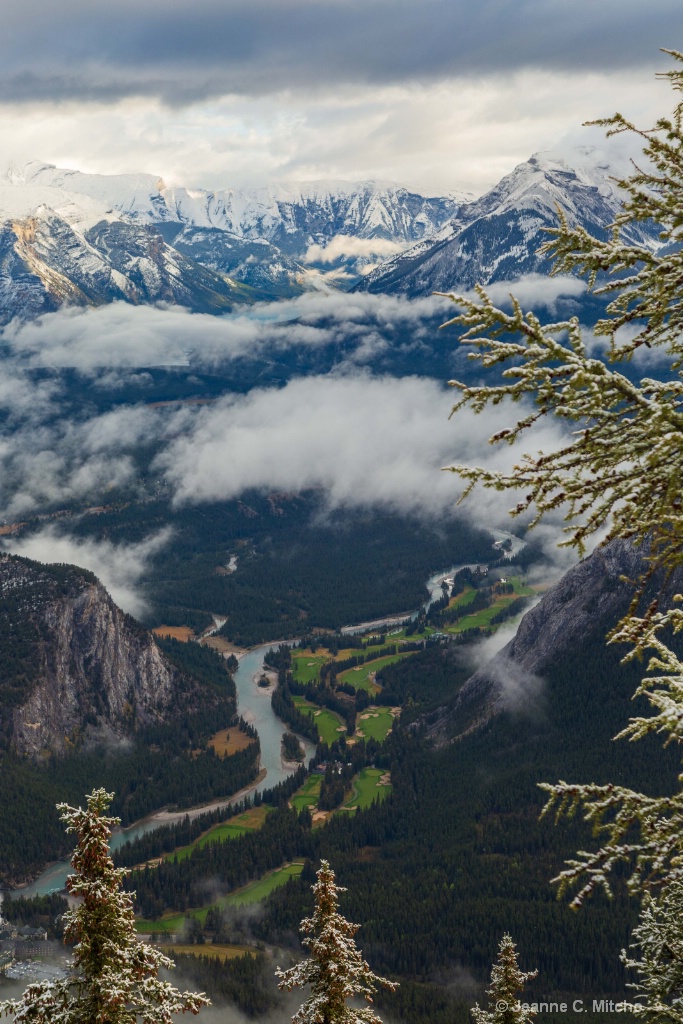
x,y
496,237
48,260
71,237
292,216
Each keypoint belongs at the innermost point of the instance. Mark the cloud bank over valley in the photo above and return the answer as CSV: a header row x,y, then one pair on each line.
x,y
363,438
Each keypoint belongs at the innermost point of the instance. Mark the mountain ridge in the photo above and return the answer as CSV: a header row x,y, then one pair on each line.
x,y
72,238
593,591
496,237
67,237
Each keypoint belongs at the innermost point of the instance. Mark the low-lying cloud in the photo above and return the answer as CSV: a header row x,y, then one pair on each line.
x,y
351,246
364,440
120,567
537,290
123,336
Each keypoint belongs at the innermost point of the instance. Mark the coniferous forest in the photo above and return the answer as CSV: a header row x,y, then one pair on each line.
x,y
348,715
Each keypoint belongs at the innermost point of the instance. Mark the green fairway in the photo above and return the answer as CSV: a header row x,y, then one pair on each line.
x,y
329,725
482,619
375,723
218,834
369,649
368,787
308,794
359,676
306,666
400,636
522,589
252,893
232,829
462,599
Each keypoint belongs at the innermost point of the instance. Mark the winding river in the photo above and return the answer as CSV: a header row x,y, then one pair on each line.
x,y
255,707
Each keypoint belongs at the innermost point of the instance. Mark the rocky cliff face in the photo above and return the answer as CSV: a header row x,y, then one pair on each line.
x,y
591,595
74,666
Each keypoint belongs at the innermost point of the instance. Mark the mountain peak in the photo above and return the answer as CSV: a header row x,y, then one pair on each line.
x,y
497,237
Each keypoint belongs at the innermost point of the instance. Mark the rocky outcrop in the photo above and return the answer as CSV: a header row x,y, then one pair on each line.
x,y
592,595
75,666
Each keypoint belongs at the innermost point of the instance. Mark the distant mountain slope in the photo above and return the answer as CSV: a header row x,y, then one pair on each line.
x,y
51,258
591,595
291,215
74,665
72,238
496,238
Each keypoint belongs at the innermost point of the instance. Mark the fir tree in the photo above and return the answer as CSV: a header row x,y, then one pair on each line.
x,y
335,970
620,470
657,956
507,982
618,473
114,976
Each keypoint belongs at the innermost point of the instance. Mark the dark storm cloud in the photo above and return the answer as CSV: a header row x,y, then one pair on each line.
x,y
183,52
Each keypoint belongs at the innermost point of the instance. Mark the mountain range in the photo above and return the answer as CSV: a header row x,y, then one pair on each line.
x,y
67,237
87,239
497,237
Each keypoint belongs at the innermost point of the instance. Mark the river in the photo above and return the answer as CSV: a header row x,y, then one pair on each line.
x,y
254,706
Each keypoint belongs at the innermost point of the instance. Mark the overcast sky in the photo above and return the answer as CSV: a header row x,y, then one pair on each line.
x,y
439,94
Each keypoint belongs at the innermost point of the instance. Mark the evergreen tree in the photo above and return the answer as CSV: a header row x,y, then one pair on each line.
x,y
620,473
620,469
507,982
335,970
114,976
658,956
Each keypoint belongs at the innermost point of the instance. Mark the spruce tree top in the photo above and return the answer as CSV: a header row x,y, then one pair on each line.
x,y
114,976
335,970
507,982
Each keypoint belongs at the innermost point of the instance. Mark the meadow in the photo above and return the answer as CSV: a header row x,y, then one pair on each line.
x,y
214,951
229,741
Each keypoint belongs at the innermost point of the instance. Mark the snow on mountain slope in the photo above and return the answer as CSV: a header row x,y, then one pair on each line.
x,y
291,215
65,238
68,236
496,238
294,217
137,196
59,247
